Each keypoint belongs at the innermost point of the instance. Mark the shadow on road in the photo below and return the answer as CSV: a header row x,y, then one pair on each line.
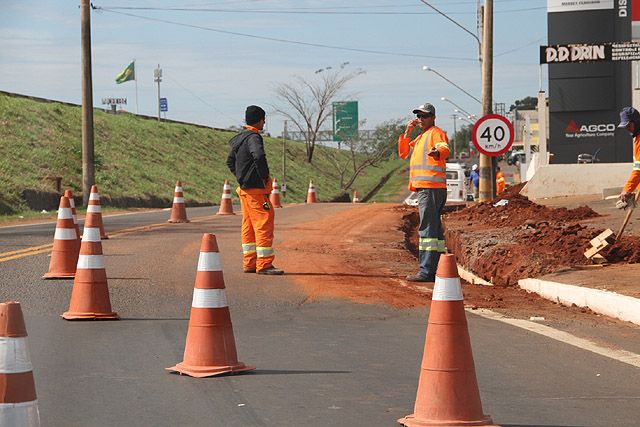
x,y
289,372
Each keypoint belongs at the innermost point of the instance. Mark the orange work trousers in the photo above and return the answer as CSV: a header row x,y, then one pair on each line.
x,y
257,231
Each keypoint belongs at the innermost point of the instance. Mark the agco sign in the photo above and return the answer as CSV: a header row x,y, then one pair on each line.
x,y
573,130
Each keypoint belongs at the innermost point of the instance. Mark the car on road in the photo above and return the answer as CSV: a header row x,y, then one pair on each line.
x,y
515,157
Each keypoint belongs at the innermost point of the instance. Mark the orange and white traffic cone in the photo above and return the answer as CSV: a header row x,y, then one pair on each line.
x,y
178,210
95,207
69,195
226,206
90,293
311,193
64,255
448,389
355,197
275,194
18,403
211,348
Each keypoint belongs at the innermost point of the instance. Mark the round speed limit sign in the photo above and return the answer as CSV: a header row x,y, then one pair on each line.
x,y
492,134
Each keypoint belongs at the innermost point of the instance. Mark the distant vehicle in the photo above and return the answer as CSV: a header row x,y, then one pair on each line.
x,y
456,186
515,157
589,158
456,183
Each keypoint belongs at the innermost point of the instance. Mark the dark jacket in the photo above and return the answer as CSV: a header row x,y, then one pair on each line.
x,y
247,160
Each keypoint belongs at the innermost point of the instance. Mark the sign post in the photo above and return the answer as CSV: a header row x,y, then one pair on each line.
x,y
345,120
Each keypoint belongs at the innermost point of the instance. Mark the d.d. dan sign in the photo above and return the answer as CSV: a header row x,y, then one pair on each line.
x,y
560,54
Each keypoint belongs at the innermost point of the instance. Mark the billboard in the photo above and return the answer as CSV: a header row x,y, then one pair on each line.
x,y
589,52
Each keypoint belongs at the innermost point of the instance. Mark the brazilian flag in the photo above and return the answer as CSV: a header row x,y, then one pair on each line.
x,y
127,74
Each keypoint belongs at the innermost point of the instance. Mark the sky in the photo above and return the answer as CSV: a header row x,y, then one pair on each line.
x,y
230,53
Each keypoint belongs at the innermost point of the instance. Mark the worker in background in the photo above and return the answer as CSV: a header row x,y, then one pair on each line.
x,y
474,178
630,119
427,177
248,162
500,182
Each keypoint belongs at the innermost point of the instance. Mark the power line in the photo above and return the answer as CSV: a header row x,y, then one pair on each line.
x,y
298,11
319,45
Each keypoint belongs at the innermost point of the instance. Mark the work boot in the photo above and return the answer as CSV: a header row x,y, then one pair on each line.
x,y
249,270
271,271
421,278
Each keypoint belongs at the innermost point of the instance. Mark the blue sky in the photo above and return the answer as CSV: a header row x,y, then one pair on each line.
x,y
211,76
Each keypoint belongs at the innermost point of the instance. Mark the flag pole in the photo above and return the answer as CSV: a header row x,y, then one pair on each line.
x,y
135,75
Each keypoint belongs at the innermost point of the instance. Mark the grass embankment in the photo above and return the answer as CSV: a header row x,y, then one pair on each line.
x,y
142,158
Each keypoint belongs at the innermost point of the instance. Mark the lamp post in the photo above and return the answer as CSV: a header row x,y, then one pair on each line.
x,y
485,47
426,68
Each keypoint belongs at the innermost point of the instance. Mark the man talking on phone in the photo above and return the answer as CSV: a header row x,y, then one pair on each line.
x,y
427,177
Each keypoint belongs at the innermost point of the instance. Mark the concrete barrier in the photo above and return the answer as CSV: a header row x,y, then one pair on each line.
x,y
576,179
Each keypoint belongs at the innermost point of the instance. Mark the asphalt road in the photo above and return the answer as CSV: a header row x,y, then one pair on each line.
x,y
325,363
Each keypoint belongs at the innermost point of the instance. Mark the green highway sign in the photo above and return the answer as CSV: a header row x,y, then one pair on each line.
x,y
345,120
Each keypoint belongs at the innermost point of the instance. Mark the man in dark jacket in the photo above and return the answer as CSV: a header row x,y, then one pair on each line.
x,y
248,162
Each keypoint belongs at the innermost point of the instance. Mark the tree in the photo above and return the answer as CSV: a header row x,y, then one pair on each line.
x,y
528,103
462,138
307,104
365,152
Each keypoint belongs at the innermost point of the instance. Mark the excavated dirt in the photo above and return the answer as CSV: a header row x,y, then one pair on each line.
x,y
522,239
364,254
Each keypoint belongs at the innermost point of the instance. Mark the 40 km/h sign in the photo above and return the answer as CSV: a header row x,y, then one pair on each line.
x,y
492,134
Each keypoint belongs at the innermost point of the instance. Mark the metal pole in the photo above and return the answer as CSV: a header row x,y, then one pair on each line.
x,y
88,171
487,173
158,80
284,158
455,134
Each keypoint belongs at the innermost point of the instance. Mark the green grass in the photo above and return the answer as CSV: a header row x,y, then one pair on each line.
x,y
141,158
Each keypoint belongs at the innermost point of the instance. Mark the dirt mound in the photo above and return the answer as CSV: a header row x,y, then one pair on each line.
x,y
511,210
512,238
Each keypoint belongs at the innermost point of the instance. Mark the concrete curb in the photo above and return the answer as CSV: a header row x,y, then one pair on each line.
x,y
471,278
602,302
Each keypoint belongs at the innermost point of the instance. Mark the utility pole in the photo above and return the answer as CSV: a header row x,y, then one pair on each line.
x,y
157,74
284,160
88,171
487,173
455,133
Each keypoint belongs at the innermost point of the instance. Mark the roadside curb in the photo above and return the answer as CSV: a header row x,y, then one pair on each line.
x,y
602,302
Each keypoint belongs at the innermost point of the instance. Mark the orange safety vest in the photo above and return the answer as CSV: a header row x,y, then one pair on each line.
x,y
634,178
500,182
426,171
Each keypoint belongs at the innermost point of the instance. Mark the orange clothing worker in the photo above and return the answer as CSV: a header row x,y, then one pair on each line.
x,y
630,119
500,181
248,162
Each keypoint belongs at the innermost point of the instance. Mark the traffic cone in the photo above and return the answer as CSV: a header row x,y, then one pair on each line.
x,y
64,255
448,389
69,195
95,207
226,206
311,193
210,349
355,197
275,194
18,403
90,294
178,211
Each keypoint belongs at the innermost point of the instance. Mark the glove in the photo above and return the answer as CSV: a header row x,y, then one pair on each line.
x,y
625,200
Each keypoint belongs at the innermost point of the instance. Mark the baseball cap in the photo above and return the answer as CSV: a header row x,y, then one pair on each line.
x,y
425,108
628,114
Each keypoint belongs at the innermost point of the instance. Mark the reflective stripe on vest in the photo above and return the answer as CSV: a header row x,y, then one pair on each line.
x,y
425,171
636,166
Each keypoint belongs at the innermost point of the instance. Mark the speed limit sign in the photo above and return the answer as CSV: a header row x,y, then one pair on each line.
x,y
492,134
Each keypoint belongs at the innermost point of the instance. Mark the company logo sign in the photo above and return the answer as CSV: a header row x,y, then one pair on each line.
x,y
589,130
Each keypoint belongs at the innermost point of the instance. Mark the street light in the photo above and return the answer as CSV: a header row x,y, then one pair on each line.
x,y
425,68
462,110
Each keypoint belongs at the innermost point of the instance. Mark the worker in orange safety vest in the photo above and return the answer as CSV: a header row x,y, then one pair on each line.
x,y
500,182
630,119
248,162
427,177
